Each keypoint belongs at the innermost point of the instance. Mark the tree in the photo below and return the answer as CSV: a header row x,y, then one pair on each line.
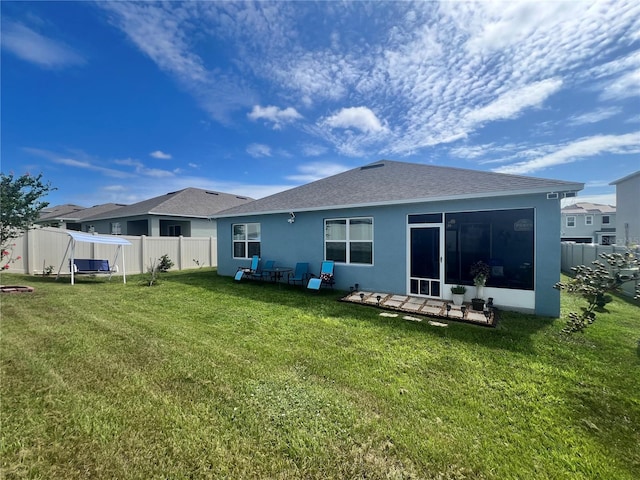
x,y
20,205
595,283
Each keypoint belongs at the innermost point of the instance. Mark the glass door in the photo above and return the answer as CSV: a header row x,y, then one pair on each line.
x,y
424,261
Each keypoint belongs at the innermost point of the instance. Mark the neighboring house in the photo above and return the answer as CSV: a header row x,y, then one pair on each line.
x,y
404,228
185,213
628,210
59,216
585,222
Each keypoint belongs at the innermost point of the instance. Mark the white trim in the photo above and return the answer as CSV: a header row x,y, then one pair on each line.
x,y
442,198
588,220
245,241
348,241
441,253
566,221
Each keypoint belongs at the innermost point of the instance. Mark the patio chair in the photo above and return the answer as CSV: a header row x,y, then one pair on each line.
x,y
252,269
261,273
300,274
325,278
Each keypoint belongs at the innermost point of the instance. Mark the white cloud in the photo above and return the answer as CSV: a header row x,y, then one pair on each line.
x,y
257,150
163,32
159,154
513,102
313,150
70,162
624,86
140,169
311,172
594,117
361,118
38,49
277,116
576,151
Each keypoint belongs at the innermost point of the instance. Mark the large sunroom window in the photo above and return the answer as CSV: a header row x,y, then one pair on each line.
x,y
246,240
504,239
349,240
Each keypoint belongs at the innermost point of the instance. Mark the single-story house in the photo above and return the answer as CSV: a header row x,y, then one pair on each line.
x,y
70,216
184,213
411,229
585,222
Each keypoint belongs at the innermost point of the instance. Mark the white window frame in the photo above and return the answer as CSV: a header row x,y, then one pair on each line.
x,y
347,241
246,239
588,220
116,228
571,224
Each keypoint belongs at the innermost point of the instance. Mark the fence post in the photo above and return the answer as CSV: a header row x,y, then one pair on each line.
x,y
143,252
211,251
180,252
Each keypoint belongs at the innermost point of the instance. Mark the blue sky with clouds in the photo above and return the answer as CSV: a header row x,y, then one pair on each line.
x,y
122,101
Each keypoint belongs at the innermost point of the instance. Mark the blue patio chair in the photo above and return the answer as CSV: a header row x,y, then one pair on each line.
x,y
325,278
261,274
300,274
248,271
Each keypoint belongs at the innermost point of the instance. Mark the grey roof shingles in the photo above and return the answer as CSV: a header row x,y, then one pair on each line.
x,y
588,208
387,181
189,202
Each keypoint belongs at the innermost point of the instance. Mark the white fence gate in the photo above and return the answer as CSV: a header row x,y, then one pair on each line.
x,y
43,248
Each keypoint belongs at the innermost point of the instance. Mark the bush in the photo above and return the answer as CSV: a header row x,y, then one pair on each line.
x,y
165,263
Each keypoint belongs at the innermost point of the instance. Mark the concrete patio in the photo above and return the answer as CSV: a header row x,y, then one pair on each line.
x,y
423,306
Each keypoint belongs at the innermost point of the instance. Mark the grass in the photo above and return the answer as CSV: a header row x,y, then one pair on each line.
x,y
200,377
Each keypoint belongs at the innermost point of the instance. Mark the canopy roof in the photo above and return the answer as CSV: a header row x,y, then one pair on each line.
x,y
91,238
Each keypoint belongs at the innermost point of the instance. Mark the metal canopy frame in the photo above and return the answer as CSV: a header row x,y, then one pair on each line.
x,y
93,238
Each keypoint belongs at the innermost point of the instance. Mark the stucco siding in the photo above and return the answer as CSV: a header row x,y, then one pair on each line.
x,y
303,241
628,211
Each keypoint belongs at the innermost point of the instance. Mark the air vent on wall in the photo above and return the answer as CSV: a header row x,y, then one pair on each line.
x,y
552,196
568,194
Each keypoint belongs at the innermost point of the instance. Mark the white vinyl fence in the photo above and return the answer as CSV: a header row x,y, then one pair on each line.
x,y
44,248
574,254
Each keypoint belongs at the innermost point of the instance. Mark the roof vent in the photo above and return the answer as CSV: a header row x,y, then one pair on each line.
x,y
369,167
552,196
241,198
212,193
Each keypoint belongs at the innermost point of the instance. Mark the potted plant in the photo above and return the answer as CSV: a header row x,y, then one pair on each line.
x,y
480,272
457,294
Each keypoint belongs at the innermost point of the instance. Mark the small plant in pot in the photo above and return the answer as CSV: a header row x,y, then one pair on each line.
x,y
457,293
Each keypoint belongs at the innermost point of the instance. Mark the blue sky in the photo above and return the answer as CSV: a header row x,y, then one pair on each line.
x,y
121,101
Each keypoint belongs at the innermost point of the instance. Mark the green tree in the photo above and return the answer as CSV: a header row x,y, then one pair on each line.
x,y
20,204
594,284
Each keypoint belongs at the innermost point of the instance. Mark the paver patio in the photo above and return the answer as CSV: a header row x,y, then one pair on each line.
x,y
424,306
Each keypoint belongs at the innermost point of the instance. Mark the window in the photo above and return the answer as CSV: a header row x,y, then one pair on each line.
x,y
175,230
349,240
246,240
503,239
588,220
571,221
605,219
608,240
115,228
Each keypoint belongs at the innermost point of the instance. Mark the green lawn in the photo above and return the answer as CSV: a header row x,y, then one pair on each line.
x,y
200,377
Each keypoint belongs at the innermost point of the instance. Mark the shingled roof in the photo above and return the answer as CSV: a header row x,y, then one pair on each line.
x,y
391,182
59,212
587,208
189,202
